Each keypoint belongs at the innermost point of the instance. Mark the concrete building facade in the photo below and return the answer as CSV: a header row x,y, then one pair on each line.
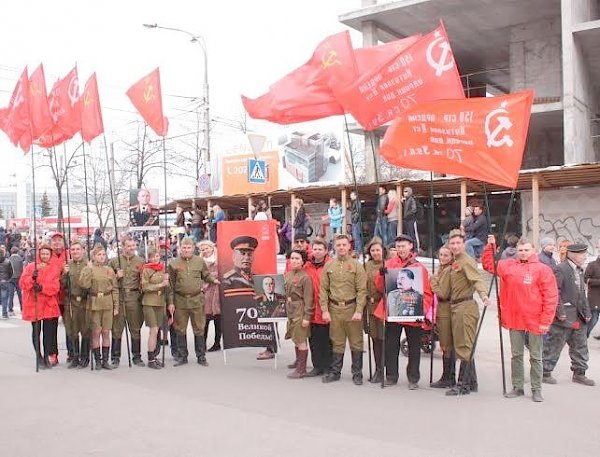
x,y
503,46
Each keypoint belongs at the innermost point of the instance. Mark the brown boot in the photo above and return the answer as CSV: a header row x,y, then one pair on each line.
x,y
300,370
291,366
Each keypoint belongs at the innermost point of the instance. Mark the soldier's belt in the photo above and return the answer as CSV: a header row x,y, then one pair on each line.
x,y
130,290
77,298
101,294
157,292
343,303
461,300
188,295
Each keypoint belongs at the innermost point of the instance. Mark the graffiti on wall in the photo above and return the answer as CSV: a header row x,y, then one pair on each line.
x,y
568,214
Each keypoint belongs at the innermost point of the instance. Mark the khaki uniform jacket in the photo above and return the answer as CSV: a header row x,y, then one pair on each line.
x,y
130,282
440,283
71,280
464,279
343,280
373,295
154,291
299,292
101,282
186,278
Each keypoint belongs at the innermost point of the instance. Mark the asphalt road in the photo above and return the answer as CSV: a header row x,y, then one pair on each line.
x,y
249,408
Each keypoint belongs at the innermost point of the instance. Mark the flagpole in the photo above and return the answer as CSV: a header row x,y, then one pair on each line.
x,y
119,281
469,370
87,205
432,247
164,335
35,251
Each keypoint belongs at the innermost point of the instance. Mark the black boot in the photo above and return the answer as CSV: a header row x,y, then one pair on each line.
x,y
173,338
463,386
85,353
335,370
75,348
97,358
200,347
448,378
182,351
116,351
136,350
217,344
105,364
152,362
357,366
70,352
377,353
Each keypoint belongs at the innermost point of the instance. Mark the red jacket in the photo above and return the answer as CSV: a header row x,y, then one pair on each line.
x,y
410,262
57,261
47,302
528,291
315,274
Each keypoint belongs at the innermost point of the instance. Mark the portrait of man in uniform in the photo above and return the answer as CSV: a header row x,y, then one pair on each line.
x,y
143,213
270,304
405,301
239,278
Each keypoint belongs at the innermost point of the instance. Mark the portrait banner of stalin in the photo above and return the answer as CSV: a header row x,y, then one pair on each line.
x,y
245,249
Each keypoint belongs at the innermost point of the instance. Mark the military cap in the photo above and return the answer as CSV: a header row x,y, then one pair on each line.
x,y
57,235
577,247
300,237
405,237
244,242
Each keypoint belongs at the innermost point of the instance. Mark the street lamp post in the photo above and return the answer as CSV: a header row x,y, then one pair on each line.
x,y
202,42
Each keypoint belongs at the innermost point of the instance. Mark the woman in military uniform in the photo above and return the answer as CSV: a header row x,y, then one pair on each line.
x,y
440,285
374,326
103,301
299,307
154,282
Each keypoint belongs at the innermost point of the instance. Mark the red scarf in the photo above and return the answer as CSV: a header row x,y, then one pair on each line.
x,y
156,266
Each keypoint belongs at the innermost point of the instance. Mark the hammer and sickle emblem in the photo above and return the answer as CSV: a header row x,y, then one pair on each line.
x,y
445,62
73,90
35,89
149,93
329,59
503,124
87,98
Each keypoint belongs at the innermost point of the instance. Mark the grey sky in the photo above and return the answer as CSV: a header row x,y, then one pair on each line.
x,y
250,45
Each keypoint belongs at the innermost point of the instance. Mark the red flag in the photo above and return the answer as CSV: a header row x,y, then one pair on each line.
x,y
305,93
65,105
374,56
41,121
146,96
91,115
425,71
480,138
16,117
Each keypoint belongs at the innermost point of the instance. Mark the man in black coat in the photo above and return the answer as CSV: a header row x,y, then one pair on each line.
x,y
572,317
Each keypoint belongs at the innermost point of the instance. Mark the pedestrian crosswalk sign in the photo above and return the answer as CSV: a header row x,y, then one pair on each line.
x,y
257,171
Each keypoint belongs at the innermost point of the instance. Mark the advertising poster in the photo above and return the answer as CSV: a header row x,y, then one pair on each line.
x,y
245,249
405,294
247,174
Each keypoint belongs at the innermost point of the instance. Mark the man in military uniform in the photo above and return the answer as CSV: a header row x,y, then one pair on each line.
x,y
343,295
187,274
572,315
76,313
240,277
270,304
465,280
144,214
405,301
128,267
